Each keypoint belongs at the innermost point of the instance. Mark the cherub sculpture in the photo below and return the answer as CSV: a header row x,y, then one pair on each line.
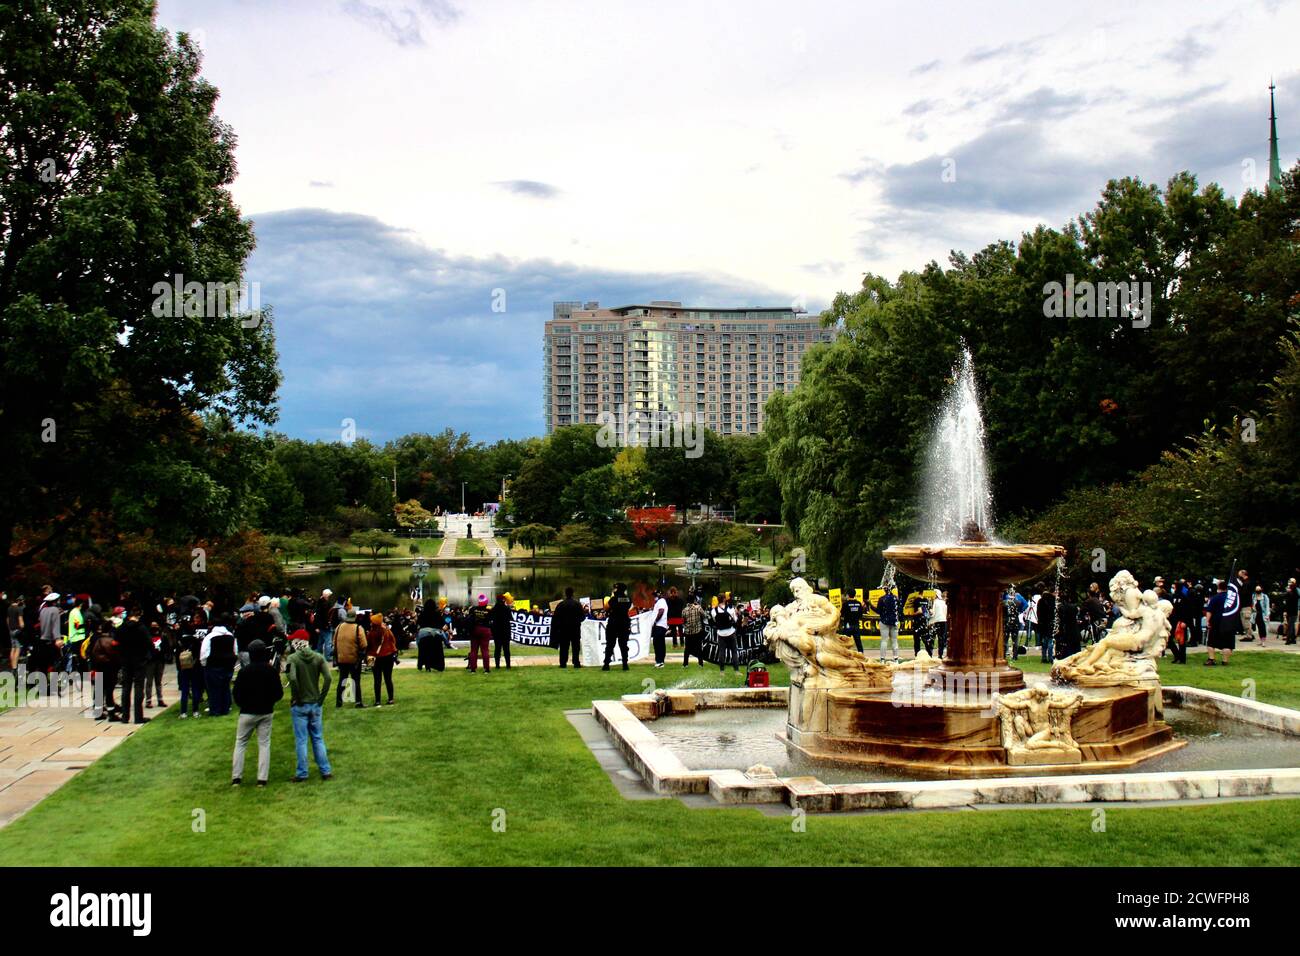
x,y
804,635
1126,655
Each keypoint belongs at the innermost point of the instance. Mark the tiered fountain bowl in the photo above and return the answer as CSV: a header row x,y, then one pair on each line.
x,y
977,574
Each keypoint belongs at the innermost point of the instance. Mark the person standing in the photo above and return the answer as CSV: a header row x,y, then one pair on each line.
x,y
1290,605
724,624
480,635
308,675
428,638
499,623
189,672
49,646
382,646
1031,625
939,622
659,628
566,628
1046,624
618,624
887,609
676,607
105,658
159,655
133,640
693,631
218,658
851,615
16,624
350,649
1223,611
1260,612
257,688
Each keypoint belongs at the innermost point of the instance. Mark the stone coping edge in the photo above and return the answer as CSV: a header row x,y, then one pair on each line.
x,y
664,772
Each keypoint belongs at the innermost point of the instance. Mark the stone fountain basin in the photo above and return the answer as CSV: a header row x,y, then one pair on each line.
x,y
974,562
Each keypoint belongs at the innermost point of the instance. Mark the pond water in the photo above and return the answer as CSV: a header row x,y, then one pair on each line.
x,y
390,587
738,738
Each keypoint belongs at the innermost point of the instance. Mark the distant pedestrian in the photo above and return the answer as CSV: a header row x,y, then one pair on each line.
x,y
350,649
659,627
499,623
133,640
693,631
724,626
1290,606
1259,619
308,675
218,657
566,628
257,688
1223,619
939,622
381,645
480,635
618,624
851,617
887,609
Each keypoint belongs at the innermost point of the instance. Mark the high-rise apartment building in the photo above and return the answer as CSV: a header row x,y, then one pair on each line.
x,y
720,365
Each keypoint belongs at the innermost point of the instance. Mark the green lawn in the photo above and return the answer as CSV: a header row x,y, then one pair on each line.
x,y
419,784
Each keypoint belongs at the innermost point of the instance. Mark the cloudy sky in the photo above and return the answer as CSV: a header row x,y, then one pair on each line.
x,y
404,158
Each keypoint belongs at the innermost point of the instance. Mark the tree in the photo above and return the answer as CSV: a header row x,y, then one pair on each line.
x,y
411,514
534,536
681,480
579,539
590,498
114,187
375,541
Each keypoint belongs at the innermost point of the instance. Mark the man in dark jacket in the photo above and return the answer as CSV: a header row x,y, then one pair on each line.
x,y
618,625
499,621
566,628
257,688
134,643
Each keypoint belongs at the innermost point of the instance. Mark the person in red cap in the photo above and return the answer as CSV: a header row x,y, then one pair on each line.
x,y
481,635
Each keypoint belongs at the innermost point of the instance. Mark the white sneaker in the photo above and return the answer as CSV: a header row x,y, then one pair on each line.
x,y
183,716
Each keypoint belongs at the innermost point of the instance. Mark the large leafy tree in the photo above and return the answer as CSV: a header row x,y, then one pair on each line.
x,y
114,176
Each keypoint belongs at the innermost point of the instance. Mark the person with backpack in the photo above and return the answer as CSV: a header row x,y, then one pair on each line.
x,y
189,672
105,660
618,624
218,657
350,649
257,688
693,631
724,625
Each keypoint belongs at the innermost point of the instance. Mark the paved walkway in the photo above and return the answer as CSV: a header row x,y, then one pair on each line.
x,y
448,548
42,746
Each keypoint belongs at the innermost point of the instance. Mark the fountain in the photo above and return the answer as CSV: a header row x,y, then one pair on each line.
x,y
971,714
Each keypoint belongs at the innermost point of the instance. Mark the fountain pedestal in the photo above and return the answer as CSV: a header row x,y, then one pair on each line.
x,y
977,573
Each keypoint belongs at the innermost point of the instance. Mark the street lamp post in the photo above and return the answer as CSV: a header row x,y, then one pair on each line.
x,y
419,568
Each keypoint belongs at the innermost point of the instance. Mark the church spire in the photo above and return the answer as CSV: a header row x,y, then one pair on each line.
x,y
1274,164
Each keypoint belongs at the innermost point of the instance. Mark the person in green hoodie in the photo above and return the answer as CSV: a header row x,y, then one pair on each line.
x,y
309,683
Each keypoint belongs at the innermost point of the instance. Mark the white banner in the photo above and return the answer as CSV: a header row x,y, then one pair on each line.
x,y
638,641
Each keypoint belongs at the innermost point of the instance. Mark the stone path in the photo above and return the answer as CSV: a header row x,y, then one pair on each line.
x,y
44,745
448,548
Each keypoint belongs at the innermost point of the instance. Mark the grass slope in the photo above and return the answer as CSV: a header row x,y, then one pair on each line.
x,y
420,783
